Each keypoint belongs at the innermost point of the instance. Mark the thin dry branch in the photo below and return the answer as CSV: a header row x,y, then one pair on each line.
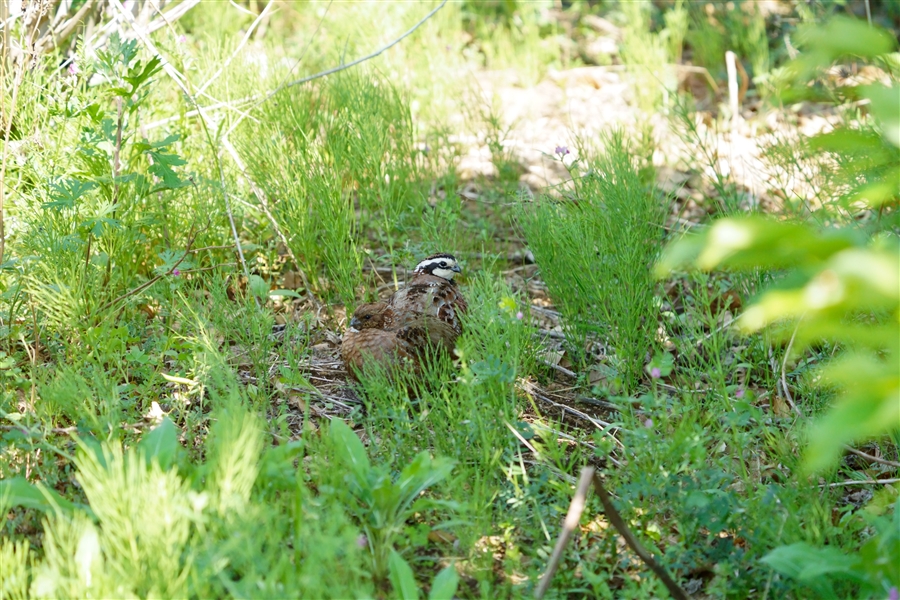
x,y
863,482
784,385
9,113
61,32
871,458
619,523
170,16
573,516
259,98
359,60
239,47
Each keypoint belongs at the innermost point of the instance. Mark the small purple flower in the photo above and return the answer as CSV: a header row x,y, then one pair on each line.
x,y
739,393
894,594
176,272
362,542
648,423
562,150
519,315
655,373
72,68
182,39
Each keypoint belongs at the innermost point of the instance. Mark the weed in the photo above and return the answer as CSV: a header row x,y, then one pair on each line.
x,y
595,250
161,435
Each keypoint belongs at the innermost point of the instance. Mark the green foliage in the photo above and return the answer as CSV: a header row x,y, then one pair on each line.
x,y
444,585
716,28
839,285
385,505
841,288
18,492
512,33
837,38
868,157
595,250
350,144
161,437
876,569
649,54
94,213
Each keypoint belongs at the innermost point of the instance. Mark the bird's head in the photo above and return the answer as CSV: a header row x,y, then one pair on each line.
x,y
442,265
368,316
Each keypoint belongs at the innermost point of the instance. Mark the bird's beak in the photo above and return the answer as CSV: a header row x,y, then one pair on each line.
x,y
456,269
354,323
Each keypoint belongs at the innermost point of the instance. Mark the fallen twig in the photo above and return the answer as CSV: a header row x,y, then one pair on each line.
x,y
871,458
576,507
560,369
784,385
601,425
616,519
863,482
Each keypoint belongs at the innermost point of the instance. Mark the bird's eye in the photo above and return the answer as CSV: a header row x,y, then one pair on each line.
x,y
367,317
443,264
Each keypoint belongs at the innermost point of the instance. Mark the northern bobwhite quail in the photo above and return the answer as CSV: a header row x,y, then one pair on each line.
x,y
431,291
386,348
407,342
423,314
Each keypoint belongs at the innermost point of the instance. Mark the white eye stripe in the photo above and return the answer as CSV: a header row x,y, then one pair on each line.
x,y
438,262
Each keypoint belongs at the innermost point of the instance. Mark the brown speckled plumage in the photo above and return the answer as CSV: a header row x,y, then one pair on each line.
x,y
425,313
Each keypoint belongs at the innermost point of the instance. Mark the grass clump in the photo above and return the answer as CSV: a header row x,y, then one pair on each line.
x,y
173,424
351,179
596,249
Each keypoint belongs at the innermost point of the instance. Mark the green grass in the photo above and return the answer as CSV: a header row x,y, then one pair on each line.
x,y
595,248
122,295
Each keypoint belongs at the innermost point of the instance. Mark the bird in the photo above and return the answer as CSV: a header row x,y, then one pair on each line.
x,y
409,340
431,291
422,316
365,340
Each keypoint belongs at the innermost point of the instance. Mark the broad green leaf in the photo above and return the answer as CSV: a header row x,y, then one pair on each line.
x,y
881,554
422,473
444,585
878,192
161,443
349,450
752,242
866,147
386,500
843,36
809,564
259,287
868,406
856,279
839,37
19,492
884,105
137,76
277,466
64,193
402,577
